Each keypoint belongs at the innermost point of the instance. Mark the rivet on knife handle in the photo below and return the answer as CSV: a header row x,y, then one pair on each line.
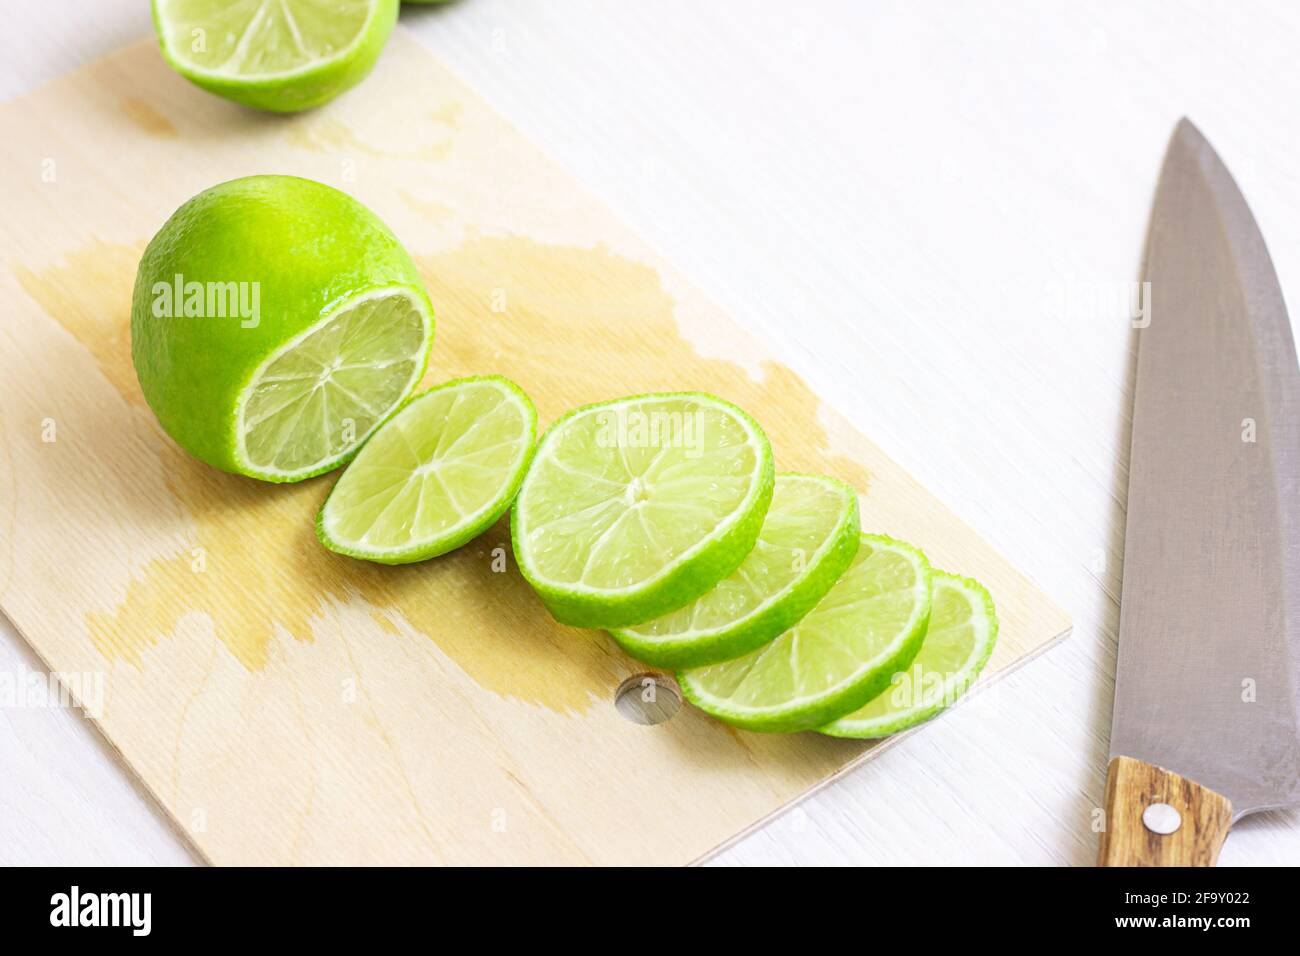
x,y
1134,793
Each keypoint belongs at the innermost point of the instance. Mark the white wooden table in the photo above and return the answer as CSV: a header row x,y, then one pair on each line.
x,y
935,210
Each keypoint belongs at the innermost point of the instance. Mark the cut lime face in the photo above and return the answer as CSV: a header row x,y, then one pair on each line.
x,y
436,475
808,539
963,629
635,507
320,396
843,652
281,55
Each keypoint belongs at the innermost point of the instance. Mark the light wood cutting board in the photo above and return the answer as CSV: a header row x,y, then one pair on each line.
x,y
286,705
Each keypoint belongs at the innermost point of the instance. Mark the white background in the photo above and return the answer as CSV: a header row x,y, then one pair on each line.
x,y
933,211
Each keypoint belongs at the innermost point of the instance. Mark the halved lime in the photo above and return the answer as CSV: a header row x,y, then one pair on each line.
x,y
842,654
280,55
635,507
963,629
808,538
436,475
275,323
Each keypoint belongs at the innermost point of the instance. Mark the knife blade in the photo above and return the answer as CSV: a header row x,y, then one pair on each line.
x,y
1207,688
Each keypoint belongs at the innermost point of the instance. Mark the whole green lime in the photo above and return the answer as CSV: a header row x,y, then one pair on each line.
x,y
275,323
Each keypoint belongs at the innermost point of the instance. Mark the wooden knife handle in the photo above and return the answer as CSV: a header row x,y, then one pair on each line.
x,y
1202,818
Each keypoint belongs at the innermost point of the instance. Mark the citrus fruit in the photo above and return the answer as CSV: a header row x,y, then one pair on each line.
x,y
437,474
842,654
635,507
808,538
279,55
275,322
963,629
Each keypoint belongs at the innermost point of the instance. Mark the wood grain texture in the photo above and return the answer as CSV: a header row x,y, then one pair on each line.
x,y
1131,787
287,705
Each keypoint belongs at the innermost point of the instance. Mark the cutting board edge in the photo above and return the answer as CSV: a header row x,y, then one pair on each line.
x,y
872,753
115,755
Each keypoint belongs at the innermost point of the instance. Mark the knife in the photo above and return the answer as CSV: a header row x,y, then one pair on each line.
x,y
1206,724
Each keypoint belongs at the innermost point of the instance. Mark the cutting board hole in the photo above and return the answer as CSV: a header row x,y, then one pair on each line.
x,y
648,699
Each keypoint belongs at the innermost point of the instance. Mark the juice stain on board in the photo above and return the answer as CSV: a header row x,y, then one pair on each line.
x,y
570,325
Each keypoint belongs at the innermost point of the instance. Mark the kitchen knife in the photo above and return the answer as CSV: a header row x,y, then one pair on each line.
x,y
1206,725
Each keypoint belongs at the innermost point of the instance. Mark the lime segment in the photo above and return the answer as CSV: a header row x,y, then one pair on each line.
x,y
635,507
436,475
963,629
809,536
843,652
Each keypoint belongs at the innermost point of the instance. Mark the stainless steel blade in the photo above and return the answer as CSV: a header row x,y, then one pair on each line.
x,y
1208,679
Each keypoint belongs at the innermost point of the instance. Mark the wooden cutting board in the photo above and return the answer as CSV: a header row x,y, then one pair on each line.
x,y
286,705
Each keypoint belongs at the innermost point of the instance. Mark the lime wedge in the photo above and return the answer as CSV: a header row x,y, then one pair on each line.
x,y
436,475
280,55
963,629
808,538
275,322
635,507
842,654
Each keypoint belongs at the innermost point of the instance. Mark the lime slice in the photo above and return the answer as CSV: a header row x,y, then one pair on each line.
x,y
275,323
842,654
635,507
280,55
963,629
436,475
808,538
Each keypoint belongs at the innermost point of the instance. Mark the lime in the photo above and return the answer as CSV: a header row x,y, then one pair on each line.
x,y
808,538
279,55
434,476
842,654
635,507
963,629
275,323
